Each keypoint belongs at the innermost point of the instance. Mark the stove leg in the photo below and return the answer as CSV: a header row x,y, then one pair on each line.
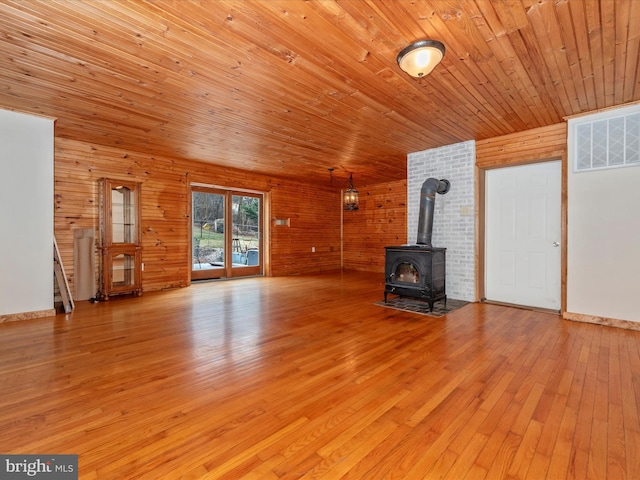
x,y
385,297
430,305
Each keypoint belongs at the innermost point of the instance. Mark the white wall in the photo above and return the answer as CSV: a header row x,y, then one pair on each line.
x,y
26,213
603,210
603,250
454,216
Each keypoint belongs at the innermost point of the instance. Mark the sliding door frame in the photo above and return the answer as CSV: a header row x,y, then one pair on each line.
x,y
229,271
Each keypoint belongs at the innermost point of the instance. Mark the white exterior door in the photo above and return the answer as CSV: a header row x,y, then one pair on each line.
x,y
522,228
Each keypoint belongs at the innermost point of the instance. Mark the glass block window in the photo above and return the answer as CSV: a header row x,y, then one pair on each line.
x,y
606,140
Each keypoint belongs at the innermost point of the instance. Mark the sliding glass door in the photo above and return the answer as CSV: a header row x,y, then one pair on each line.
x,y
226,233
208,232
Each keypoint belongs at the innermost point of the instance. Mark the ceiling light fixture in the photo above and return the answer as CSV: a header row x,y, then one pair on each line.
x,y
421,57
351,196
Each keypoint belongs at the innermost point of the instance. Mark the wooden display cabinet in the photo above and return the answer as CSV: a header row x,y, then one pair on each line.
x,y
121,252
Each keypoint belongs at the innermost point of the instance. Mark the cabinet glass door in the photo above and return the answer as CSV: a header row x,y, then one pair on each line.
x,y
123,215
123,270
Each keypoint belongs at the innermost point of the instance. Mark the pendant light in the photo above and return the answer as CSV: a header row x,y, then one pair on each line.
x,y
351,196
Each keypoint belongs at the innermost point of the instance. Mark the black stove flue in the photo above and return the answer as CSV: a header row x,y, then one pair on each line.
x,y
427,207
419,270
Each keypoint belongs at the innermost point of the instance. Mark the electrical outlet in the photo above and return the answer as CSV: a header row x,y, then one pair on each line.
x,y
313,249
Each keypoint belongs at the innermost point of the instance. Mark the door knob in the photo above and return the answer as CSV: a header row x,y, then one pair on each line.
x,y
556,244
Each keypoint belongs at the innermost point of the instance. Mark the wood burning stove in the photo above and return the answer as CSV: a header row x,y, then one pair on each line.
x,y
419,270
416,271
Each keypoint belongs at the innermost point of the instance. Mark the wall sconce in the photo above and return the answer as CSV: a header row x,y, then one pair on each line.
x,y
421,57
351,196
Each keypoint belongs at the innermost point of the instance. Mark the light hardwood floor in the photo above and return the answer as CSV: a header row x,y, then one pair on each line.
x,y
304,377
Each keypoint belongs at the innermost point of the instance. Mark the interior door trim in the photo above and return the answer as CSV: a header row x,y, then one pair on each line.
x,y
481,218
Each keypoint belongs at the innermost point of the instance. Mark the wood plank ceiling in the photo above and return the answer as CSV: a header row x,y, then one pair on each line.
x,y
291,88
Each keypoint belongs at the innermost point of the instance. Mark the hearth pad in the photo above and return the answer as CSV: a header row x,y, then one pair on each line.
x,y
419,306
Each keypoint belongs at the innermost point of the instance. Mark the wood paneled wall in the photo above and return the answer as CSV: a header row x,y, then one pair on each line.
x,y
523,147
313,215
381,221
314,211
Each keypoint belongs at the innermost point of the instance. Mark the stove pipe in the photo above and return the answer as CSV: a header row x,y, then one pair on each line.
x,y
427,204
